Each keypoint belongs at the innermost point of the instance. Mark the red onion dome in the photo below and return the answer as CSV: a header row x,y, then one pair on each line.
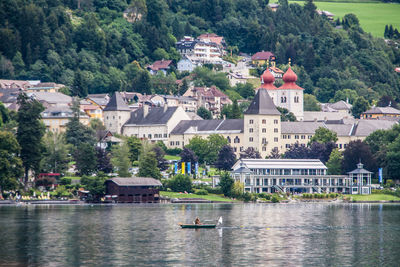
x,y
289,76
267,77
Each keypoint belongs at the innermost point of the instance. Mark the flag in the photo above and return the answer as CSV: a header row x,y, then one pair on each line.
x,y
196,168
188,168
183,167
176,167
380,175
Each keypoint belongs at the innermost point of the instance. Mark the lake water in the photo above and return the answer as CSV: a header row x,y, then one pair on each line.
x,y
252,235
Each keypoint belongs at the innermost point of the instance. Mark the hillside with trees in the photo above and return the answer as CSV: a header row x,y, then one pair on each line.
x,y
97,46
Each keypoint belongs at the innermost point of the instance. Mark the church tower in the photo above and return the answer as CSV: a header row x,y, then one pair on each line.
x,y
116,113
262,124
289,95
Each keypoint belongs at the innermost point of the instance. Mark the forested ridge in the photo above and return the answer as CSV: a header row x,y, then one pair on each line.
x,y
89,46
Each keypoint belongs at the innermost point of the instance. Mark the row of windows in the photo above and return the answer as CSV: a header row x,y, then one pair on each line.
x,y
176,143
288,171
264,130
236,140
284,99
264,140
263,121
295,136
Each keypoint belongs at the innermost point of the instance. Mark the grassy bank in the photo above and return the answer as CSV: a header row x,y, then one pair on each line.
x,y
373,16
212,197
373,197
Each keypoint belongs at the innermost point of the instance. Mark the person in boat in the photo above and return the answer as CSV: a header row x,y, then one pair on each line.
x,y
197,221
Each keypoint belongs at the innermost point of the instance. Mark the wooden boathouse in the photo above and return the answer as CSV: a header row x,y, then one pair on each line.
x,y
133,190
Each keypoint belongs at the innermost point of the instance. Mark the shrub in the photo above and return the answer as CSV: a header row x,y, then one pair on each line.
x,y
173,151
214,190
65,181
275,199
180,183
200,192
246,196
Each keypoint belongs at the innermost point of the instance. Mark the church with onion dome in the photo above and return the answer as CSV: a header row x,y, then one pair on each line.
x,y
289,95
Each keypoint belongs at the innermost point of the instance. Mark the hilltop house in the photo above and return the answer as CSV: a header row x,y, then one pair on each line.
x,y
160,65
261,58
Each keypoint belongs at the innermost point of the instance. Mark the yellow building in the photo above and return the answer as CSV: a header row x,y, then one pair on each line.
x,y
56,118
262,58
377,112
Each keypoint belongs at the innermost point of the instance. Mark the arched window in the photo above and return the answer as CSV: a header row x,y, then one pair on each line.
x,y
229,139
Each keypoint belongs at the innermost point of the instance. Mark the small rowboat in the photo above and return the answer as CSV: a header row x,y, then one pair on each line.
x,y
197,225
206,225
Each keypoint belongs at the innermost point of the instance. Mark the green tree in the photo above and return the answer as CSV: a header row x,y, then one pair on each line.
x,y
346,94
204,113
95,185
200,147
55,158
323,135
226,183
311,103
286,115
10,163
359,106
30,133
148,165
215,142
180,183
86,160
334,163
355,152
120,159
135,146
237,190
393,159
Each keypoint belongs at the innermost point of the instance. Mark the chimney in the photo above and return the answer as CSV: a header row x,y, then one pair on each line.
x,y
165,107
145,110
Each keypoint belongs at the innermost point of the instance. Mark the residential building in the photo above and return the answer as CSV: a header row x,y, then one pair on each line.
x,y
116,113
100,100
262,58
341,106
298,176
133,190
210,98
51,99
160,65
199,51
55,118
236,78
186,64
381,112
94,111
212,38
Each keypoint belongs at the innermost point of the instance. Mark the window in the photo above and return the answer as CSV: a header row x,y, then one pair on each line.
x,y
283,99
303,145
296,137
303,137
284,136
264,148
275,121
149,135
287,145
288,137
236,140
264,130
251,130
275,130
345,145
251,121
177,143
251,139
171,143
229,139
296,99
235,149
113,117
276,139
340,146
309,137
107,117
264,141
165,135
155,135
264,121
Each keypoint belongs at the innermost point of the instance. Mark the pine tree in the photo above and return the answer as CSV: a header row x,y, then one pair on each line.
x,y
236,113
30,133
334,163
148,166
386,31
390,32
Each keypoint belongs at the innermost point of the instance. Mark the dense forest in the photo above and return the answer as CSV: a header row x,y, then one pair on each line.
x,y
90,46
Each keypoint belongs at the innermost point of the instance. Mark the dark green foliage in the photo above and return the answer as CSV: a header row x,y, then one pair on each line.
x,y
360,105
103,160
10,163
204,113
250,153
135,146
226,158
226,183
202,192
286,115
86,160
187,155
55,157
231,111
65,181
162,164
30,132
180,183
355,152
148,166
95,185
324,135
207,149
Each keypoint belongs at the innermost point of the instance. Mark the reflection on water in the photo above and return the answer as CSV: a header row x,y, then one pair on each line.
x,y
252,234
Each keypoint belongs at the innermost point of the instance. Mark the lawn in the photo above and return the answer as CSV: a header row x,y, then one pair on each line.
x,y
171,157
373,197
212,197
373,16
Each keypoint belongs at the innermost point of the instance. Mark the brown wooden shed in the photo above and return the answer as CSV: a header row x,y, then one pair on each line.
x,y
133,190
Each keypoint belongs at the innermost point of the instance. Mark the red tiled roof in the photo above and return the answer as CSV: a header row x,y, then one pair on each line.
x,y
262,55
276,70
267,80
212,36
289,79
160,64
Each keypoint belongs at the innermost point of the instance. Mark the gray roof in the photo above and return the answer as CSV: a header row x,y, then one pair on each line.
x,y
322,116
217,126
116,103
340,129
53,98
280,164
341,105
300,127
262,104
382,110
99,101
366,127
359,171
156,115
135,181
